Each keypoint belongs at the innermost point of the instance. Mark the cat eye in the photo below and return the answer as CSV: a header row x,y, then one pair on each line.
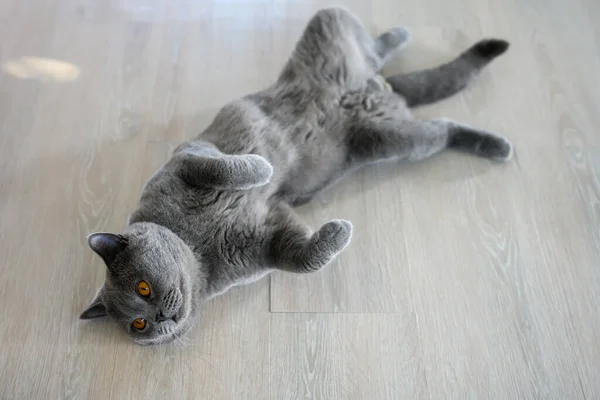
x,y
143,289
139,323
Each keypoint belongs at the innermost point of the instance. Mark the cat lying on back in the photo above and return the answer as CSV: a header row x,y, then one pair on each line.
x,y
219,213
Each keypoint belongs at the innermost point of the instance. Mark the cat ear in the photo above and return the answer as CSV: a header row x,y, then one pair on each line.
x,y
107,245
96,309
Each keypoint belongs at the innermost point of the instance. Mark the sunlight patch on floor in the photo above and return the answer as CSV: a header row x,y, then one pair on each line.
x,y
41,69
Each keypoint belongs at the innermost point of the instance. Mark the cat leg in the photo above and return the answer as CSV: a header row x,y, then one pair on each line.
x,y
431,85
336,48
202,164
381,139
292,248
389,42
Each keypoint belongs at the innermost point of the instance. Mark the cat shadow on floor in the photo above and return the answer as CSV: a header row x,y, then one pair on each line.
x,y
443,169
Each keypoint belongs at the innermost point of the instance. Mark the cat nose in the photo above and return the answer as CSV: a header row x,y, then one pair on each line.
x,y
160,317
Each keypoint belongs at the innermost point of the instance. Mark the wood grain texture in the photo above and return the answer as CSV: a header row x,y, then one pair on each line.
x,y
345,356
464,279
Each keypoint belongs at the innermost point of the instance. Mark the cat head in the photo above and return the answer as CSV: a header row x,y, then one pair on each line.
x,y
151,283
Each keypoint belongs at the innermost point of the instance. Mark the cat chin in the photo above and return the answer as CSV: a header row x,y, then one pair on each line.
x,y
165,339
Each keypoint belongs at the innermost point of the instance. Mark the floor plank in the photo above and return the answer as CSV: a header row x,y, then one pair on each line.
x,y
345,356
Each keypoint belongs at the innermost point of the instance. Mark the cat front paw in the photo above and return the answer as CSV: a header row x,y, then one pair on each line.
x,y
324,245
334,236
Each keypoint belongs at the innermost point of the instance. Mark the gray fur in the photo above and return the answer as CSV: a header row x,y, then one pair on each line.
x,y
431,85
219,213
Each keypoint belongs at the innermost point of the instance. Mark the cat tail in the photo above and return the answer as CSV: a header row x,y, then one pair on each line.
x,y
431,85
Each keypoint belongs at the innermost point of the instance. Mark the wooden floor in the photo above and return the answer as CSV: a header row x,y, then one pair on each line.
x,y
464,279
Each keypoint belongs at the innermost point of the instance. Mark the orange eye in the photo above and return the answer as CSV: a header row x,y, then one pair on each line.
x,y
143,289
139,324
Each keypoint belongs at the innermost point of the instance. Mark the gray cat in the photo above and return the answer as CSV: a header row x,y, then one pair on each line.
x,y
219,213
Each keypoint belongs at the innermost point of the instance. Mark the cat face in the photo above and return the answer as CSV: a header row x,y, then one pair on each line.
x,y
149,288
